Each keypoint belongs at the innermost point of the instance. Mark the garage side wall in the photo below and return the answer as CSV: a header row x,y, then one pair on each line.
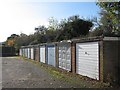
x,y
111,50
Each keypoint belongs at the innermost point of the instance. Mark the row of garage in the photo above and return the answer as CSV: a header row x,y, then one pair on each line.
x,y
86,57
48,53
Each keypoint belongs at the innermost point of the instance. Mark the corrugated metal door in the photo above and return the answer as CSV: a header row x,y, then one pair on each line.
x,y
32,53
65,56
51,55
42,54
87,59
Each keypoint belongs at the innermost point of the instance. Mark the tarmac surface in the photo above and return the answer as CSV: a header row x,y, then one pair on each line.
x,y
19,73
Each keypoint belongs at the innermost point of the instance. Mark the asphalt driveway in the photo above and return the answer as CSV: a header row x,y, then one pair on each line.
x,y
20,73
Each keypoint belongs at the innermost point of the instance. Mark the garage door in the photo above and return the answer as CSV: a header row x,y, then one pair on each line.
x,y
32,53
65,56
51,55
20,52
42,54
23,52
87,59
28,52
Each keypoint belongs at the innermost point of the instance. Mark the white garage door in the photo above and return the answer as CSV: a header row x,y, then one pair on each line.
x,y
23,52
20,52
42,54
32,53
65,57
28,53
87,59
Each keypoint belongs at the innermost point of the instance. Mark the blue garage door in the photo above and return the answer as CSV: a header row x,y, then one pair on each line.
x,y
51,55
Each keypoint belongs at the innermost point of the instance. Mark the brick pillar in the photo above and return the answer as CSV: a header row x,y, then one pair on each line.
x,y
37,54
73,55
119,62
101,61
46,54
57,55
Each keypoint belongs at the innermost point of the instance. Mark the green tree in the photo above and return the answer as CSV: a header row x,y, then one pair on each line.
x,y
41,29
96,32
75,27
53,24
39,35
23,40
110,17
11,40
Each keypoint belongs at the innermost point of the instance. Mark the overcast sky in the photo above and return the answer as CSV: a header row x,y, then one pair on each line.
x,y
23,15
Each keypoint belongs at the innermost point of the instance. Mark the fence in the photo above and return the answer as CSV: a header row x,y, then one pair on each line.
x,y
7,51
96,58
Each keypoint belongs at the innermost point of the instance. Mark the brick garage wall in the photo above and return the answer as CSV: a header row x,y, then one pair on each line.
x,y
111,61
36,53
119,62
57,55
73,57
101,60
